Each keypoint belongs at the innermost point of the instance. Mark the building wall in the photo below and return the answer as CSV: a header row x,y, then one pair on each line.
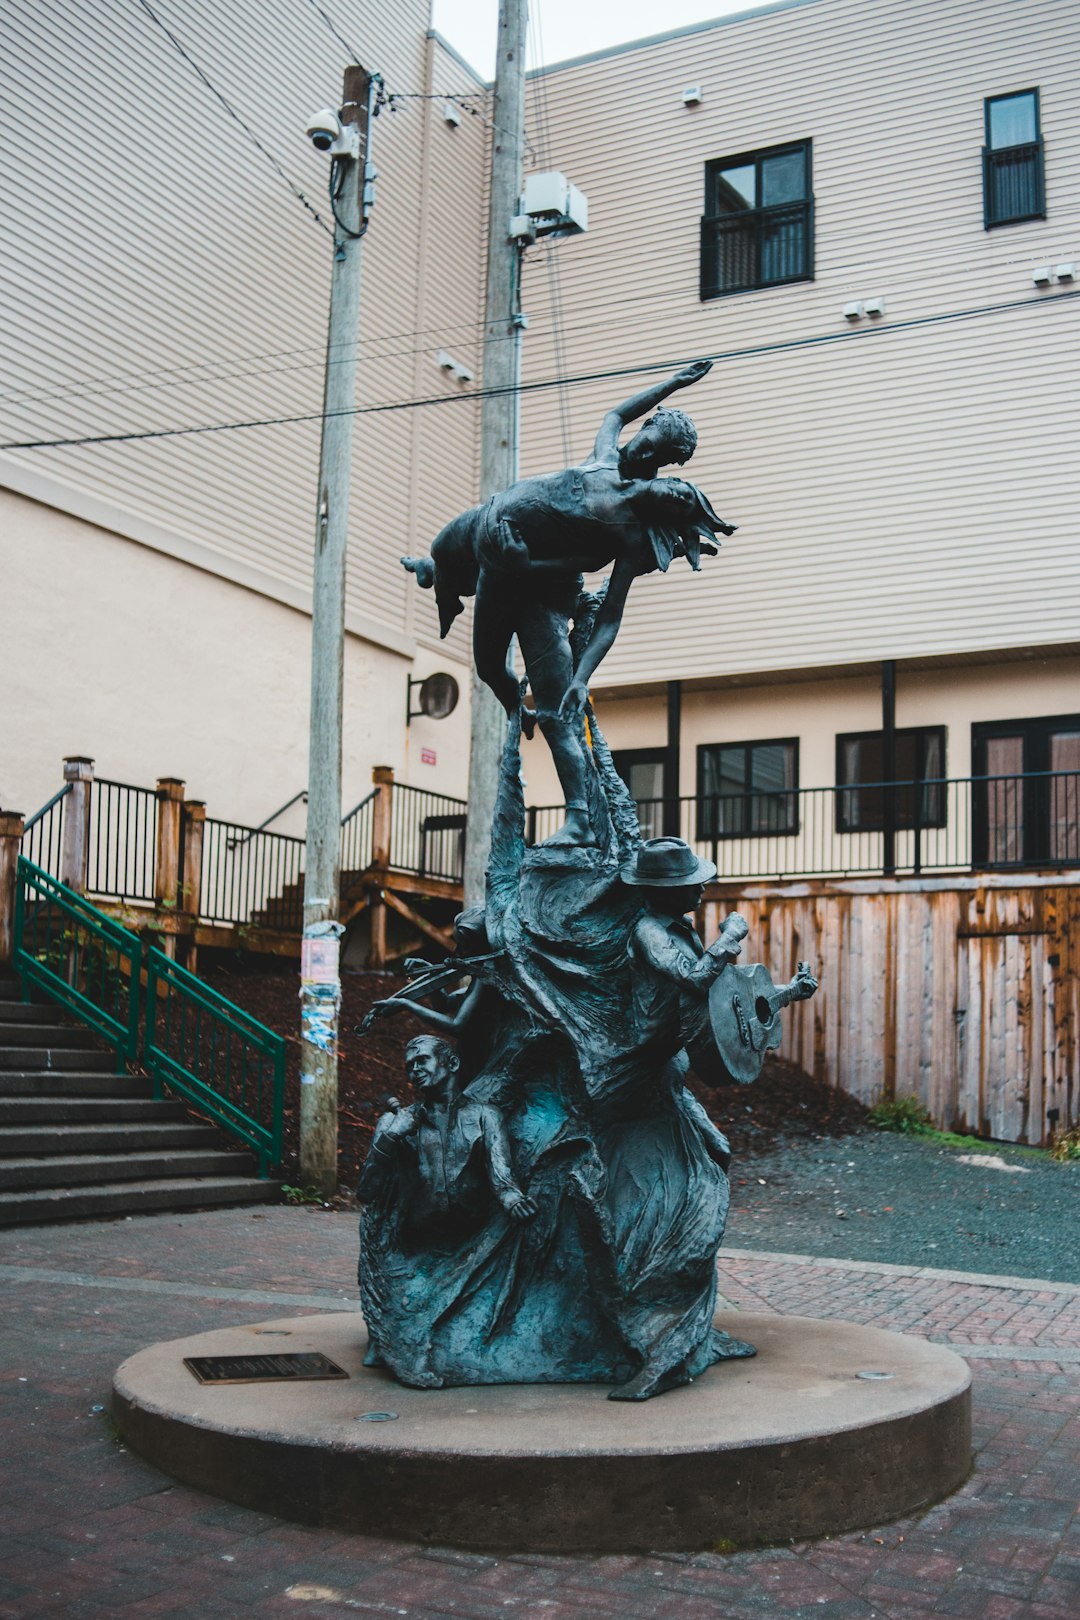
x,y
159,274
903,488
816,711
157,668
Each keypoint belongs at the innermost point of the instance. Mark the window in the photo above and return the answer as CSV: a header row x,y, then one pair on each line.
x,y
1026,792
748,789
758,226
920,766
642,769
1013,160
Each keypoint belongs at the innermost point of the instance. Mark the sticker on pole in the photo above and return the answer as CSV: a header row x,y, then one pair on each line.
x,y
319,959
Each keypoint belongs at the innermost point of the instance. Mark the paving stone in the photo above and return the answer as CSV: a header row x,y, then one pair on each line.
x,y
92,1532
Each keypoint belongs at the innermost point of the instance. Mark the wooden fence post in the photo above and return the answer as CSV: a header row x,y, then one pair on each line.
x,y
11,831
170,800
76,852
381,827
194,825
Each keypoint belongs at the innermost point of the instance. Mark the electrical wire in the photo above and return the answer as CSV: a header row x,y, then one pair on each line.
x,y
338,35
232,112
780,346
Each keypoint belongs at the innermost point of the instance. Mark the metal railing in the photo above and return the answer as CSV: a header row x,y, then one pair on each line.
x,y
1013,184
938,825
427,833
297,798
78,957
356,831
122,842
760,247
210,1051
251,877
43,835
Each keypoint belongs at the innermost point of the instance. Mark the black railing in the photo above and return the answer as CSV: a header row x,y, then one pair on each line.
x,y
122,841
43,835
761,247
356,830
427,833
251,877
1013,186
941,825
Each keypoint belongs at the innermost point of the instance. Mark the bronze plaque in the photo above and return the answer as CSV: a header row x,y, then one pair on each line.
x,y
289,1368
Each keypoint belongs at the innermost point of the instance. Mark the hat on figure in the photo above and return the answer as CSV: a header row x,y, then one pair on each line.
x,y
666,863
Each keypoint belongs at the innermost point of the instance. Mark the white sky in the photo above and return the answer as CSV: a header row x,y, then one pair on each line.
x,y
562,28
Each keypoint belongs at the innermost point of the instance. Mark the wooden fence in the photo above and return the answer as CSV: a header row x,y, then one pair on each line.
x,y
962,991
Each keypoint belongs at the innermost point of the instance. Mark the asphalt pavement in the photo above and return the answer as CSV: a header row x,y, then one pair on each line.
x,y
878,1196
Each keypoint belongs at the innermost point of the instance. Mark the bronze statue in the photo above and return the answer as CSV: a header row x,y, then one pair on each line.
x,y
523,552
550,1208
587,985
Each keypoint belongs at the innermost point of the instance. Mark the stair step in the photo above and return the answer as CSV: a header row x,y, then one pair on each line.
x,y
55,1057
21,1141
14,1011
68,1083
61,1171
44,1033
41,1108
132,1198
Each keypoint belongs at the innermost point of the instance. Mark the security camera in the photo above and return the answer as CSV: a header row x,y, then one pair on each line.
x,y
327,134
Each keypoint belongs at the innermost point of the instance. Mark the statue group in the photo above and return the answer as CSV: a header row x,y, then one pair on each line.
x,y
549,1207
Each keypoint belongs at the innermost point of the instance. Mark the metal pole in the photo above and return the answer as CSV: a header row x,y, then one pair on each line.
x,y
888,764
672,759
320,982
499,418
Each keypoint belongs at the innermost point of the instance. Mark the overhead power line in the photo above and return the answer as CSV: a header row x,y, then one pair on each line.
x,y
232,112
788,345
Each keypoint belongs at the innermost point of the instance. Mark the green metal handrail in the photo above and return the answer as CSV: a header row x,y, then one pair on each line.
x,y
216,1055
78,957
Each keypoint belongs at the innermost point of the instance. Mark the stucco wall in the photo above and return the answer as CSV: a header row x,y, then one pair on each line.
x,y
814,711
153,668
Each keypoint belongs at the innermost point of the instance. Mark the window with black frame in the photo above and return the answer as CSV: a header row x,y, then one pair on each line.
x,y
917,799
748,790
1013,176
758,225
1026,792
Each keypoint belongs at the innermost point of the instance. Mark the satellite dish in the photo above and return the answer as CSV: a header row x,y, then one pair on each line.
x,y
439,695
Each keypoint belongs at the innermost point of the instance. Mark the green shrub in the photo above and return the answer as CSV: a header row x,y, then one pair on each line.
x,y
1066,1144
905,1114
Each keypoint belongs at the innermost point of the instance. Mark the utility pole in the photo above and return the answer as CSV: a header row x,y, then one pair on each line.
x,y
320,979
499,411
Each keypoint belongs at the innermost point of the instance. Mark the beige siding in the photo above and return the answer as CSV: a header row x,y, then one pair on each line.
x,y
160,274
901,491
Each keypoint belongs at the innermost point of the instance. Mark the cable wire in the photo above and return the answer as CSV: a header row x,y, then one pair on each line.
x,y
783,345
232,112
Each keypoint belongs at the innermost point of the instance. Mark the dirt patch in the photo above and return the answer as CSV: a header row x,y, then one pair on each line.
x,y
784,1104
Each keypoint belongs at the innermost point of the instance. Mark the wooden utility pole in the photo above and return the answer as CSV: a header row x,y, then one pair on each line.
x,y
499,411
320,979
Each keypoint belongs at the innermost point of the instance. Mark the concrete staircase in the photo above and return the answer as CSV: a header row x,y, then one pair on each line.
x,y
77,1139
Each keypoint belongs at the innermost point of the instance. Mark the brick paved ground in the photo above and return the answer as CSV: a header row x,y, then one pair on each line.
x,y
88,1531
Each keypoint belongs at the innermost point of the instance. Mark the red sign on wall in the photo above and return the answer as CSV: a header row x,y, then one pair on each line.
x,y
428,756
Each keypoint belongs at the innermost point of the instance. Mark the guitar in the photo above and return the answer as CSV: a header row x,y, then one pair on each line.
x,y
743,1023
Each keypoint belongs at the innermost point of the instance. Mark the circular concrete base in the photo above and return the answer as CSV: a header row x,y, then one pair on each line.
x,y
791,1444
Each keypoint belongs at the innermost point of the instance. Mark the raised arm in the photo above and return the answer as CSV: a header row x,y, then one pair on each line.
x,y
607,440
451,1023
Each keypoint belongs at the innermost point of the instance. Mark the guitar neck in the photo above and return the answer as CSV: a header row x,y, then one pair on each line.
x,y
780,999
